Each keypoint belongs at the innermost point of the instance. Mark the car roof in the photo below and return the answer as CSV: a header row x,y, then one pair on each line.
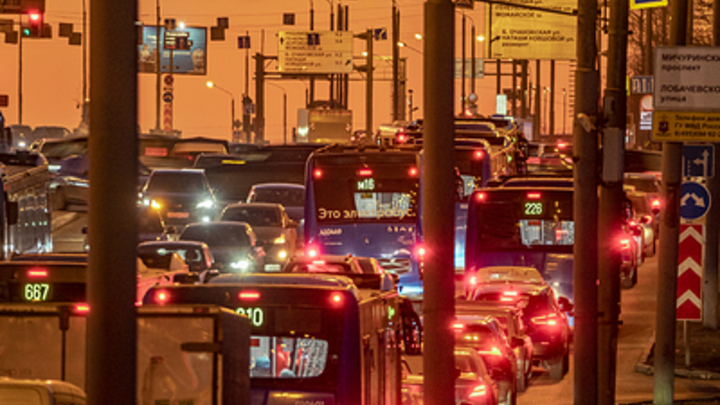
x,y
173,244
183,170
278,185
531,289
508,274
254,205
219,224
646,176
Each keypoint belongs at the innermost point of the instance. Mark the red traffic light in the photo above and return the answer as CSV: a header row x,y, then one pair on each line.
x,y
35,17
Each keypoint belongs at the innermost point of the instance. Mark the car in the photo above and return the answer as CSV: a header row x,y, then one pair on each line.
x,y
371,265
150,227
485,336
233,245
502,274
647,214
544,314
291,196
20,136
644,183
340,265
190,148
57,149
195,254
515,329
152,273
271,225
181,196
50,132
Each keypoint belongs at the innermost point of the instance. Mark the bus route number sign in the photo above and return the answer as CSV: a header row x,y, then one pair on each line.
x,y
36,291
533,208
255,315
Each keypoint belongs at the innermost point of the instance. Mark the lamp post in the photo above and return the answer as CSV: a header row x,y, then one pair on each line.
x,y
284,110
212,85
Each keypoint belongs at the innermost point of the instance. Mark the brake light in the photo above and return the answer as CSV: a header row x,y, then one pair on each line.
x,y
656,203
479,391
336,298
401,138
420,251
549,319
633,222
317,173
312,251
365,172
481,196
458,326
249,295
82,308
506,299
162,297
492,352
37,273
473,280
625,243
561,145
513,293
479,154
534,196
318,262
413,171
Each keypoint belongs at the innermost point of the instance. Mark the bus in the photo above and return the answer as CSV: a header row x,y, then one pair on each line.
x,y
365,201
314,338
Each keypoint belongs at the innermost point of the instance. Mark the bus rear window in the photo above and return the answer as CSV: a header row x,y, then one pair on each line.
x,y
368,199
287,357
547,232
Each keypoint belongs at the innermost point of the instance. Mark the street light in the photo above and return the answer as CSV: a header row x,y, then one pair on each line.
x,y
212,85
419,37
284,110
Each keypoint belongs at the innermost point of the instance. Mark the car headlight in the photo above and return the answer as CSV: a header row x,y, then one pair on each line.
x,y
21,144
206,219
206,204
240,265
156,205
282,254
279,240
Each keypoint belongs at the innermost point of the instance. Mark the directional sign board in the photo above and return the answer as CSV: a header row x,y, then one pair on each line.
x,y
686,78
315,52
690,273
694,201
698,160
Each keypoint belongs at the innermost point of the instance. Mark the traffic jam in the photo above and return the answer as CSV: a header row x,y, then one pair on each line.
x,y
311,254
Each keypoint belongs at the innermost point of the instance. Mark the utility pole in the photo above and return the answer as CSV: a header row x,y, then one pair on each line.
x,y
111,323
473,68
20,70
259,97
462,80
246,97
346,80
396,62
664,376
585,208
648,62
159,45
369,83
537,121
712,221
438,197
524,88
331,85
611,201
312,77
551,110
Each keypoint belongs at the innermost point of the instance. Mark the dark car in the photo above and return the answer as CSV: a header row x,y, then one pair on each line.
x,y
48,132
291,196
159,253
150,227
487,338
271,225
181,196
233,245
57,149
341,265
544,315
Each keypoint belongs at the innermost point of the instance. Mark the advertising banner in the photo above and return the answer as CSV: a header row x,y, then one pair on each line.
x,y
188,47
520,33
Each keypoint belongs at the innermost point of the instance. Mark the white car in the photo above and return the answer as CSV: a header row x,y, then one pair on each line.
x,y
148,277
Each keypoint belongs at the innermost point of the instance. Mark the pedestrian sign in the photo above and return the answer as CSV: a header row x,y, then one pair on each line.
x,y
694,201
380,34
698,160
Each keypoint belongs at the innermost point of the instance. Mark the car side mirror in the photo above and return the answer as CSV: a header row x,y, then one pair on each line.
x,y
646,219
565,304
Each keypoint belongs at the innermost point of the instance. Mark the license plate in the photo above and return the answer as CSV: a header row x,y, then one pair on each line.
x,y
178,215
272,267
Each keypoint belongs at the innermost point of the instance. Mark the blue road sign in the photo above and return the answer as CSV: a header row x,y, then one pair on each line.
x,y
380,34
168,97
641,85
694,200
698,160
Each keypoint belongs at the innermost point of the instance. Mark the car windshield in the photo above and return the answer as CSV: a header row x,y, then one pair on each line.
x,y
255,216
177,182
159,256
476,335
64,149
50,132
320,266
465,364
218,236
645,185
640,203
288,197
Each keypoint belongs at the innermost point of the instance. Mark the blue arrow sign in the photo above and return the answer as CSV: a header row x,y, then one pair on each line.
x,y
694,201
168,97
698,160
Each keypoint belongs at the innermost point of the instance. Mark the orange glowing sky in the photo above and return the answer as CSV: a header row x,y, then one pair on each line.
x,y
52,73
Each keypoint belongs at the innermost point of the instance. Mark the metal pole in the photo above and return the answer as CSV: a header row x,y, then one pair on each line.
x,y
111,324
158,70
331,95
395,64
438,200
284,118
551,110
664,376
585,209
462,80
232,115
473,68
690,27
339,78
246,96
259,98
369,84
312,77
537,121
524,88
20,70
498,78
84,64
514,88
346,77
648,62
611,201
712,223
410,102
171,70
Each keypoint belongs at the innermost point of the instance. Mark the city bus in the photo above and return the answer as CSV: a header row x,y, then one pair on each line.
x,y
315,338
365,201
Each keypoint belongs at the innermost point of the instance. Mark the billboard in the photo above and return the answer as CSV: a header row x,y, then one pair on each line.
x,y
190,57
522,33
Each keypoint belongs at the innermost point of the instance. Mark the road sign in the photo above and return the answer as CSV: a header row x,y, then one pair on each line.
x,y
380,34
321,52
690,273
249,109
686,126
641,85
698,160
694,201
501,104
479,68
244,42
638,4
167,97
4,100
686,78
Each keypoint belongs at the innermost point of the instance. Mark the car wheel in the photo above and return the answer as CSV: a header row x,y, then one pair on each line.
x,y
566,363
58,200
555,366
630,280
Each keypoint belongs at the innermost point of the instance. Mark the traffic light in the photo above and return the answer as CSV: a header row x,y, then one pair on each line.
x,y
35,27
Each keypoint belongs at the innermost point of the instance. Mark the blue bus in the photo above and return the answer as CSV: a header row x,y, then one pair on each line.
x,y
315,339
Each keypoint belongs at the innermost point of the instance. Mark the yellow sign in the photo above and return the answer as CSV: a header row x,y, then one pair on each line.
x,y
678,126
638,4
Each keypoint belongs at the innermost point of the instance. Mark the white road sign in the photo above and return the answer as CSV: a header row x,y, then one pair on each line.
x,y
532,34
315,52
686,78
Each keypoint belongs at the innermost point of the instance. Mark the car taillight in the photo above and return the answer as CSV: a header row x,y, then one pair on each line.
x,y
249,295
401,138
420,251
479,154
479,391
162,297
458,326
82,308
37,273
625,243
493,352
656,204
317,173
481,196
365,172
336,299
413,171
473,280
633,222
512,293
312,251
534,196
549,319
